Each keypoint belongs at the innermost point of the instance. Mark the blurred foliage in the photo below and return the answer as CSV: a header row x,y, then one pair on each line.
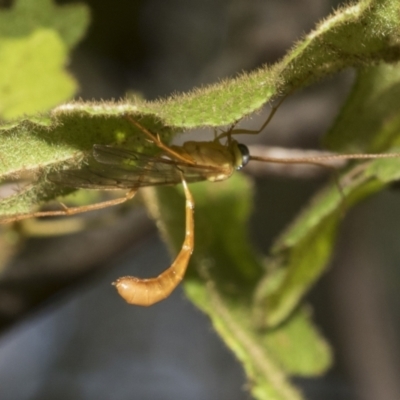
x,y
35,39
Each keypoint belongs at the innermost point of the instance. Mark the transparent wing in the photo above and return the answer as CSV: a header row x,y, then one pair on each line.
x,y
116,168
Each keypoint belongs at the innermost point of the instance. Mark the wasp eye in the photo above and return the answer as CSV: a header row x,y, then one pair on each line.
x,y
244,151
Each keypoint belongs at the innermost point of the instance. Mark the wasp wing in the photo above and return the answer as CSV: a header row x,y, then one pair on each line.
x,y
117,168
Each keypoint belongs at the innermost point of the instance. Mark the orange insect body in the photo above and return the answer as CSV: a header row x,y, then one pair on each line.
x,y
211,161
146,292
223,159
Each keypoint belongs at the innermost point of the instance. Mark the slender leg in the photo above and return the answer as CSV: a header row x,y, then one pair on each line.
x,y
146,292
157,141
67,211
233,131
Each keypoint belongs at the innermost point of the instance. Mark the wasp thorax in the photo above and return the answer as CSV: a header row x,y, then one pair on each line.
x,y
209,153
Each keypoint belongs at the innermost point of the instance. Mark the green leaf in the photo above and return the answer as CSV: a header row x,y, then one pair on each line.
x,y
370,120
45,150
42,83
35,37
356,35
222,276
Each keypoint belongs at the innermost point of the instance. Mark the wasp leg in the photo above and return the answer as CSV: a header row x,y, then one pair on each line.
x,y
157,141
66,211
233,131
146,292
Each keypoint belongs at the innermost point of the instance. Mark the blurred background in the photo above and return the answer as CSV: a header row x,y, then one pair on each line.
x,y
65,333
